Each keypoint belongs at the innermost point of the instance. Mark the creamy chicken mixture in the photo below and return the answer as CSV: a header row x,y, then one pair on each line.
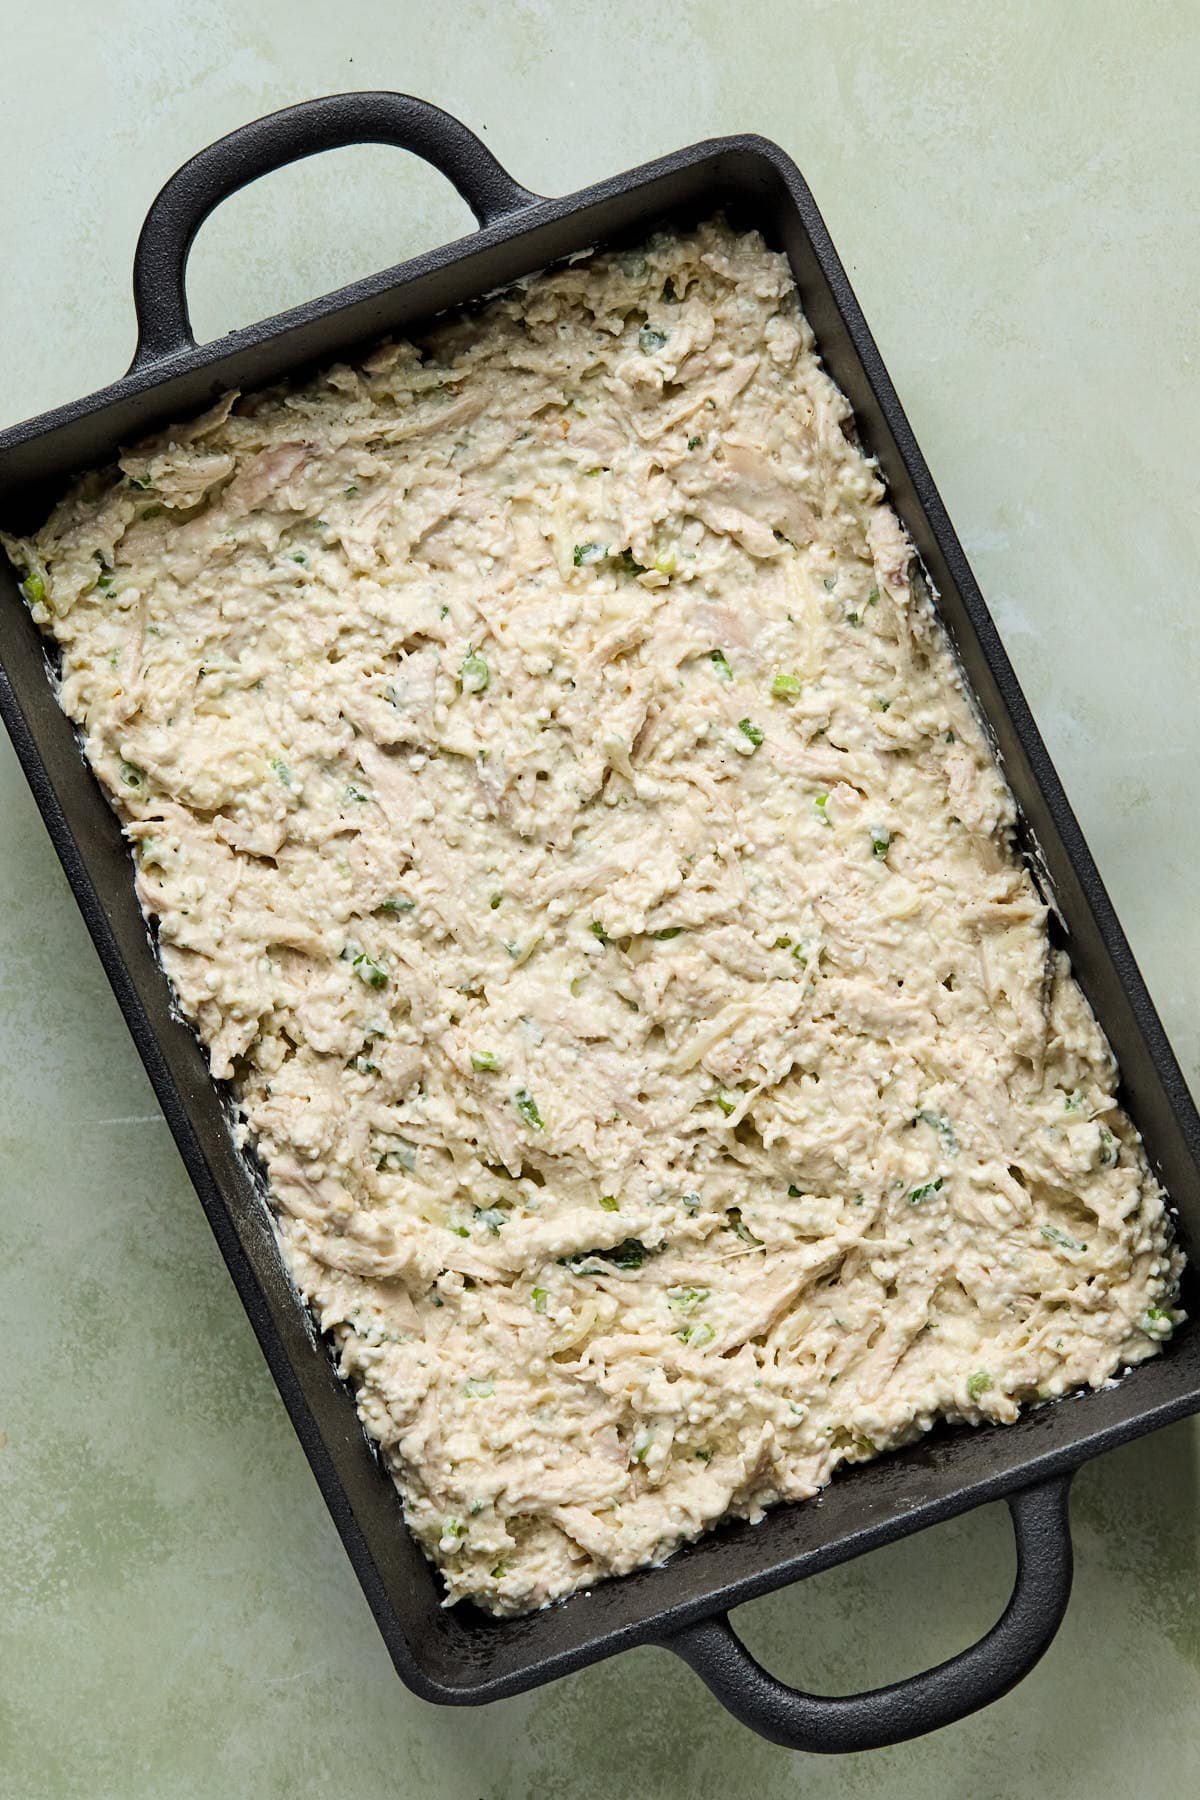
x,y
568,832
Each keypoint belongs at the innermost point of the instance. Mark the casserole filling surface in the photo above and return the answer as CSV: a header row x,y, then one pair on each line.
x,y
567,830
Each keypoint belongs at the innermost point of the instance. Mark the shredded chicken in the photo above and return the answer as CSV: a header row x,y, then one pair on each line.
x,y
568,832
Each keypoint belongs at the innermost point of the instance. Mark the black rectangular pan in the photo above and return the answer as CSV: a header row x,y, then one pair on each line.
x,y
461,1655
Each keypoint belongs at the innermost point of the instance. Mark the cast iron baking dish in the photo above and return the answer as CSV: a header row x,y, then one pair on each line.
x,y
460,1655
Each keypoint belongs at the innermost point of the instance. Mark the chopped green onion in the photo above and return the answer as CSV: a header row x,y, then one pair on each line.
x,y
474,676
1158,1321
643,1437
694,443
880,704
401,1155
368,970
749,729
696,1336
132,776
1109,1152
664,562
829,583
917,1194
395,907
494,1217
978,1383
526,1105
685,1300
726,1101
484,1060
852,618
667,933
873,596
610,1203
704,1456
944,1127
821,803
651,339
630,563
881,840
719,662
34,589
1053,1235
597,930
495,901
298,556
586,554
784,686
538,1298
794,1192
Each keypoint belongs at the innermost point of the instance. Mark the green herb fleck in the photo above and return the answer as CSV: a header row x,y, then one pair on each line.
x,y
978,1383
720,663
685,1300
34,589
538,1299
784,686
610,1203
495,901
881,840
395,906
651,339
368,970
821,803
484,1060
749,729
937,1121
917,1194
526,1105
667,933
474,676
586,554
630,563
694,443
1053,1235
726,1101
696,1336
597,930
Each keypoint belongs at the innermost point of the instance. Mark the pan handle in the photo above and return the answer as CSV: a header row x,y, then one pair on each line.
x,y
905,1709
233,161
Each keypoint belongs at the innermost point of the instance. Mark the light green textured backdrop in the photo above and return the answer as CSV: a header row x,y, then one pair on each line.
x,y
1012,189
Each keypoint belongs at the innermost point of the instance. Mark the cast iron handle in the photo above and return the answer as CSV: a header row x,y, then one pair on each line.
x,y
905,1709
181,207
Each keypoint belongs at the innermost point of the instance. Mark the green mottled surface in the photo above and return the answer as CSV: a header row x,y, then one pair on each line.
x,y
1012,188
